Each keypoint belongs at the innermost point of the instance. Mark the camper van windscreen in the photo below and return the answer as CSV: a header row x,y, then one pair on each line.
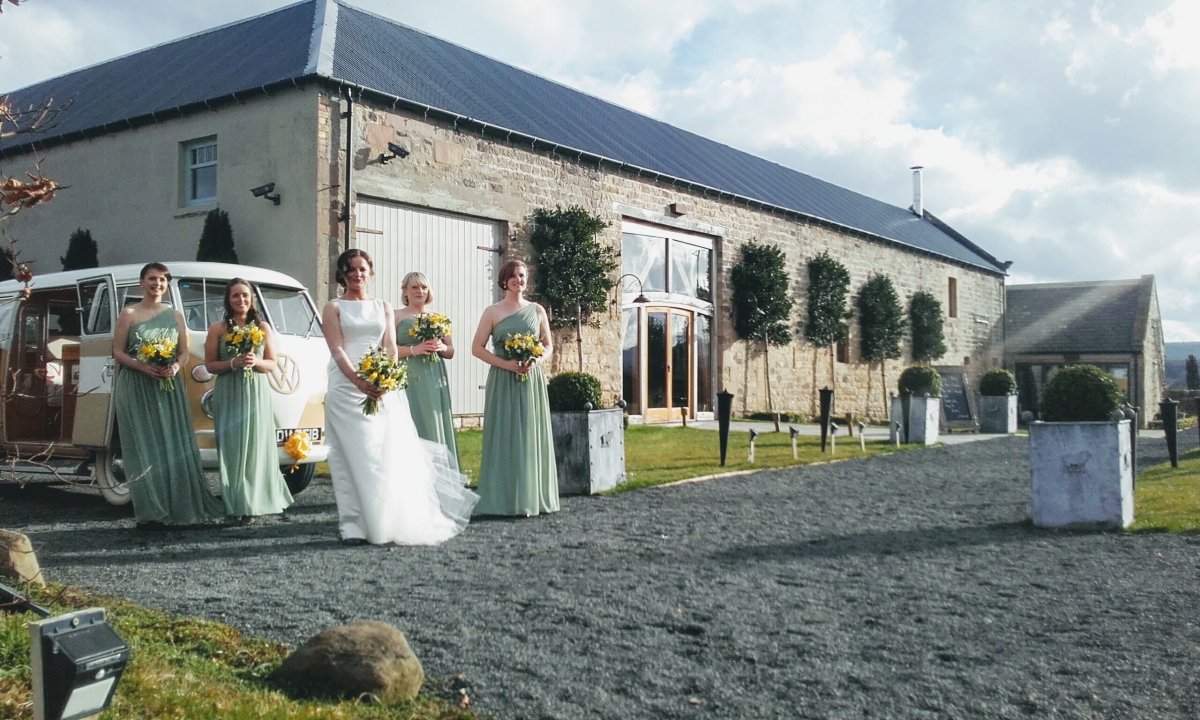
x,y
289,311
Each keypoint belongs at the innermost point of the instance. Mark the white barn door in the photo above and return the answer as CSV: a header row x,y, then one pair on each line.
x,y
460,256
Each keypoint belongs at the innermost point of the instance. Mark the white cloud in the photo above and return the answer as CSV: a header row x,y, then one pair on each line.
x,y
1174,31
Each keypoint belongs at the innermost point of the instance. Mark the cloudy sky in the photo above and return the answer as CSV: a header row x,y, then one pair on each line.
x,y
1060,135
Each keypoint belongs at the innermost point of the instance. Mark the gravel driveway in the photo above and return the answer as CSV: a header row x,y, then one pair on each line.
x,y
905,586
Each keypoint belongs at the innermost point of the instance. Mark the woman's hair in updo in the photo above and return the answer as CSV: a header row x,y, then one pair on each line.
x,y
154,266
508,270
343,263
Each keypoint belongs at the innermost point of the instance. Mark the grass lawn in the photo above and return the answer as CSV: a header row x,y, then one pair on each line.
x,y
658,455
1168,498
184,668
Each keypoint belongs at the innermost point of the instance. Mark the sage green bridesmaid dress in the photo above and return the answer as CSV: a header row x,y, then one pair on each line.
x,y
517,475
429,395
158,442
251,482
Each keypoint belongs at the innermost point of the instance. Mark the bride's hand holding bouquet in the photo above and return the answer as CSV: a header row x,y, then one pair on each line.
x,y
379,373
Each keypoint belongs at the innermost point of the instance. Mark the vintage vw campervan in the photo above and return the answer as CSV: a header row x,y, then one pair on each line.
x,y
56,351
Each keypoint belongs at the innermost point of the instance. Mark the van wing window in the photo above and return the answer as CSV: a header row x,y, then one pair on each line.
x,y
289,311
97,307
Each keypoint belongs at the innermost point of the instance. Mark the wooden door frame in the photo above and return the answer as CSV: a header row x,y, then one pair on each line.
x,y
670,412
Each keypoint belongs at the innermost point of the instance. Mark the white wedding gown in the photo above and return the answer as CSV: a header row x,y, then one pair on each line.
x,y
390,485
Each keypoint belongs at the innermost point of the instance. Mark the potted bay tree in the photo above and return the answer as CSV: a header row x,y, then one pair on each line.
x,y
919,407
589,442
1080,454
998,402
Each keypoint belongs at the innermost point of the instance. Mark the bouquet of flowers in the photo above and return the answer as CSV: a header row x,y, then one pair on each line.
x,y
524,348
384,372
241,340
160,352
430,326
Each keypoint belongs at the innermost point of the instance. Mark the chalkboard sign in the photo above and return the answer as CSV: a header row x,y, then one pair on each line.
x,y
958,400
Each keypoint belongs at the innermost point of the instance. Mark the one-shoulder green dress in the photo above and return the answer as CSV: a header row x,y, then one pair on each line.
x,y
158,442
429,395
517,475
251,482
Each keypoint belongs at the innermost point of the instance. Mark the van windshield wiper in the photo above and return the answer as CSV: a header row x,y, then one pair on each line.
x,y
308,330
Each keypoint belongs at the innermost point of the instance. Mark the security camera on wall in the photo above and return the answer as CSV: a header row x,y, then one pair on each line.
x,y
264,191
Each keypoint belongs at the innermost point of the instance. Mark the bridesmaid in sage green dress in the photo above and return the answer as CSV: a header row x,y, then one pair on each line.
x,y
158,442
428,387
517,475
243,418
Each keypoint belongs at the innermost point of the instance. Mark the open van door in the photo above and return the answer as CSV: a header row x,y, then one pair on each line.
x,y
8,321
98,320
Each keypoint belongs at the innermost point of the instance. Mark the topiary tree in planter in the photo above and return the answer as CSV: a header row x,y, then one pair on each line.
x,y
82,252
828,283
925,317
589,442
761,302
573,268
216,239
573,392
998,402
920,381
919,405
1080,456
881,323
1080,393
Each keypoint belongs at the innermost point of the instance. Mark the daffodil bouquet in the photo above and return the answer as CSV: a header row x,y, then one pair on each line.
x,y
384,372
161,352
241,340
524,348
430,326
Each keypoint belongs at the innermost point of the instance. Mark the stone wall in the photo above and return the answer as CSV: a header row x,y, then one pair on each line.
x,y
455,171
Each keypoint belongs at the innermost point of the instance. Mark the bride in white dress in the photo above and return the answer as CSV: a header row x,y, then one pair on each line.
x,y
390,486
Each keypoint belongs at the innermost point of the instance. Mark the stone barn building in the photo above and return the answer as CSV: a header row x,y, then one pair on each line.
x,y
435,158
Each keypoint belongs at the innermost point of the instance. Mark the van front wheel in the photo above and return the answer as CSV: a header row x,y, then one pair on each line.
x,y
299,478
110,477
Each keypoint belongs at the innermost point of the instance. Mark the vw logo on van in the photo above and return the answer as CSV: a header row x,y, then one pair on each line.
x,y
285,380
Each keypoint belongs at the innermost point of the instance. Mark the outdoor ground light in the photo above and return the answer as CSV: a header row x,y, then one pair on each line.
x,y
795,433
77,660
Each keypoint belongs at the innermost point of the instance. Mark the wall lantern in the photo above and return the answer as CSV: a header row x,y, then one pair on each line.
x,y
264,191
641,299
394,151
76,660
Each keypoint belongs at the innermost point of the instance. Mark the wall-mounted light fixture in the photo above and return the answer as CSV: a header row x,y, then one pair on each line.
x,y
264,191
641,299
394,151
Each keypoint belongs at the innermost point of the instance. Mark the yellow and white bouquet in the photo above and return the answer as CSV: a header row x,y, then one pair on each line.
x,y
241,340
524,348
430,326
384,372
161,352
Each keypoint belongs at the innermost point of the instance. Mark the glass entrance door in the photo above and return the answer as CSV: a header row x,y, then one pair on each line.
x,y
668,364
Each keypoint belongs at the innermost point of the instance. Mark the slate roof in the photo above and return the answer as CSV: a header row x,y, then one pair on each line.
x,y
1078,317
330,41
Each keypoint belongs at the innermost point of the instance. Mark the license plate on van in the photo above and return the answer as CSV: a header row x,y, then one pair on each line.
x,y
315,435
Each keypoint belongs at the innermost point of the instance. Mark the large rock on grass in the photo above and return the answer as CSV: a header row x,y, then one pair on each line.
x,y
17,560
355,659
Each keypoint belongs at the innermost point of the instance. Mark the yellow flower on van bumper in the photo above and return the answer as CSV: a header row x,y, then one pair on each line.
x,y
297,446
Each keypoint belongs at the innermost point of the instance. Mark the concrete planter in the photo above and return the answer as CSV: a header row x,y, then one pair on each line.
x,y
998,414
589,450
1081,474
920,423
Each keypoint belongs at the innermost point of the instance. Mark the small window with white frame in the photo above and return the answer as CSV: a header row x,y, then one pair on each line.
x,y
200,171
